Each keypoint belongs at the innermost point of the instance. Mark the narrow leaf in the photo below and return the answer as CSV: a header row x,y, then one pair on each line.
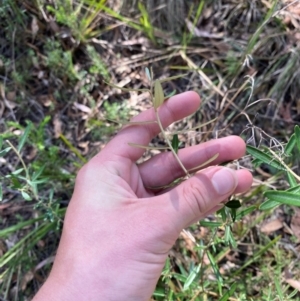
x,y
227,233
1,193
229,293
266,158
4,151
175,143
245,212
232,240
257,255
17,172
223,214
214,267
26,196
297,134
158,95
256,163
191,277
209,224
268,205
291,179
147,71
284,197
233,214
1,141
290,145
295,189
24,137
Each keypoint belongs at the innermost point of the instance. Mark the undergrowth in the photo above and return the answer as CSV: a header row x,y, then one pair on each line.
x,y
56,111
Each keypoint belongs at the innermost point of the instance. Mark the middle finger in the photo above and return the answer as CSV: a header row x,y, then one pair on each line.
x,y
163,169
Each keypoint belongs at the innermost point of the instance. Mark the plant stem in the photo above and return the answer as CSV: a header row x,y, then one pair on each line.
x,y
287,167
170,145
20,158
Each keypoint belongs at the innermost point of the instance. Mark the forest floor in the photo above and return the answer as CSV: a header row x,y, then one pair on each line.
x,y
56,111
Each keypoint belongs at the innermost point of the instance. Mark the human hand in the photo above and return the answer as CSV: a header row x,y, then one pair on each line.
x,y
117,233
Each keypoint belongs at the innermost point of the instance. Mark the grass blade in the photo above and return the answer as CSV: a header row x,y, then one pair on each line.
x,y
268,205
257,255
290,145
209,224
284,197
291,179
24,137
229,293
245,212
175,143
191,277
266,158
297,134
215,267
295,189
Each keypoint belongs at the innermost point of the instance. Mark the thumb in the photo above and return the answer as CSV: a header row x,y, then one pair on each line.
x,y
199,195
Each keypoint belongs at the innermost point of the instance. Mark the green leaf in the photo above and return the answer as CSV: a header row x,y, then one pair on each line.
x,y
18,171
291,179
191,277
26,196
1,193
297,134
256,163
214,267
284,197
4,151
233,214
227,233
16,183
290,145
266,158
24,137
295,189
223,214
1,141
209,224
235,204
278,289
159,96
245,212
268,205
175,143
232,240
229,293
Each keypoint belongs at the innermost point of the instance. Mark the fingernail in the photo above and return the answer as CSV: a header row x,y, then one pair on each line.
x,y
224,181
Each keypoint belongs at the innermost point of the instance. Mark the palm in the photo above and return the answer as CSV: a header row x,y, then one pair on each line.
x,y
115,220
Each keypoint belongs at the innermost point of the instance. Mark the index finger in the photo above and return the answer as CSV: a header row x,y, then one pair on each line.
x,y
176,108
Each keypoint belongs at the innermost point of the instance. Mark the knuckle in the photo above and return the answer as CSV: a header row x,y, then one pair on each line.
x,y
194,194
